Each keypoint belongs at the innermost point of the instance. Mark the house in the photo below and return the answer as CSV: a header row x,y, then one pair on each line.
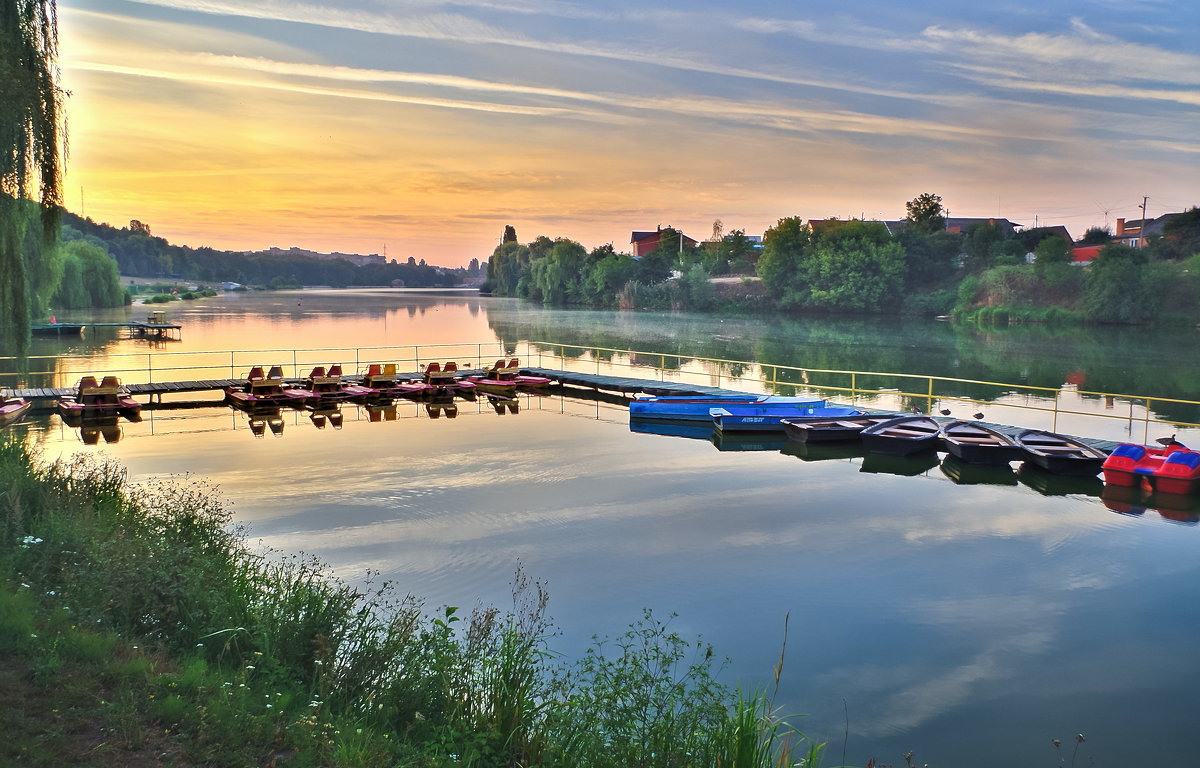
x,y
1135,231
647,242
1082,255
960,225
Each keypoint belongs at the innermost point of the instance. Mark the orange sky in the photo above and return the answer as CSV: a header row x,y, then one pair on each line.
x,y
425,128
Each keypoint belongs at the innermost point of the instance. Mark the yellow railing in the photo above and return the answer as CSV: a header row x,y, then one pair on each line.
x,y
161,366
924,392
904,390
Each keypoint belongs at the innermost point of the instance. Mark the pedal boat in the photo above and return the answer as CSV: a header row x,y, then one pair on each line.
x,y
443,380
266,390
1170,469
92,399
698,407
327,386
384,380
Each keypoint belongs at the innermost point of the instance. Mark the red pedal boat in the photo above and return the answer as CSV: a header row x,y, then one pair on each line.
x,y
327,385
1170,469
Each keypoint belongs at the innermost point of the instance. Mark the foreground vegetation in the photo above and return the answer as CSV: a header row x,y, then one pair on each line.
x,y
137,627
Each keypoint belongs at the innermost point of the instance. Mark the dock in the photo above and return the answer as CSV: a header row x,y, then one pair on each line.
x,y
156,328
613,389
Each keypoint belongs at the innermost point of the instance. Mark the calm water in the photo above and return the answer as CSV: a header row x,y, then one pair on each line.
x,y
970,619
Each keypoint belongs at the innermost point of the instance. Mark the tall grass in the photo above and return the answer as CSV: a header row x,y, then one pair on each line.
x,y
254,657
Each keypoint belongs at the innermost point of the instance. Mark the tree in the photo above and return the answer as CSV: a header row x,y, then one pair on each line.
x,y
1096,236
925,212
784,246
30,155
1183,233
510,234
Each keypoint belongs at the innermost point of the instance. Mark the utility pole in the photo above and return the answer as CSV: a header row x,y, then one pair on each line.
x,y
1142,229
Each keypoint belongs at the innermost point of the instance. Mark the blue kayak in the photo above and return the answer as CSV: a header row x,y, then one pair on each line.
x,y
768,417
697,408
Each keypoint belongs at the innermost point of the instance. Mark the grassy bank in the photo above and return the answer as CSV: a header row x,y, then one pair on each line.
x,y
137,627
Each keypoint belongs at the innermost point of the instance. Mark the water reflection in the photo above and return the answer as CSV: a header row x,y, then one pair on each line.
x,y
928,606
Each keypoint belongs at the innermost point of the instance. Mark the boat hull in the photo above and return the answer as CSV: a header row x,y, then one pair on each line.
x,y
697,408
902,436
754,417
976,444
829,430
13,411
1060,454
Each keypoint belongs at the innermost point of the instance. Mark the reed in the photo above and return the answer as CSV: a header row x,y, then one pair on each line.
x,y
194,644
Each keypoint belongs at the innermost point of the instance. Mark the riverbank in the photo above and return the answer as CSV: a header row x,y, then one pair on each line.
x,y
151,632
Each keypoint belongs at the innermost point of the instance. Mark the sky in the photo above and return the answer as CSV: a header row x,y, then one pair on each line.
x,y
422,128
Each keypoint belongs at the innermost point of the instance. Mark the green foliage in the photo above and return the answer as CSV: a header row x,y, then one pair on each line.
x,y
931,257
784,247
30,156
1181,235
1096,236
856,268
1117,290
258,656
925,213
977,245
89,278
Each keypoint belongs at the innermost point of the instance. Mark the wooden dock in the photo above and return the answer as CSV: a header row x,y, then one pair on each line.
x,y
612,389
162,331
43,397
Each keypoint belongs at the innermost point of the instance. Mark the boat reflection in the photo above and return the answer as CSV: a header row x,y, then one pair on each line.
x,y
908,466
92,429
377,412
1136,501
326,413
503,405
261,420
824,451
748,441
692,431
965,473
1050,484
437,409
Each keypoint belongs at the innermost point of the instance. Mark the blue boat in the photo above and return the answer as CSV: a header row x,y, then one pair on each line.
x,y
697,408
768,417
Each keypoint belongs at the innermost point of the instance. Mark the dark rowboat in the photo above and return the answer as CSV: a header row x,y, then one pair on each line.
x,y
902,436
977,444
966,473
1061,455
830,430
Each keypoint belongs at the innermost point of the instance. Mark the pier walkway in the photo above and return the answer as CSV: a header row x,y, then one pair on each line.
x,y
43,397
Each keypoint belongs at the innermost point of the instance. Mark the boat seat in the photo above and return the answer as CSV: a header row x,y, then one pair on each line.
x,y
373,369
318,372
276,372
335,370
87,382
255,373
389,369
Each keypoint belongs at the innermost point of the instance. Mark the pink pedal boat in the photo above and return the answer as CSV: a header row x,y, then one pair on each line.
x,y
383,379
443,380
266,390
328,385
504,378
92,399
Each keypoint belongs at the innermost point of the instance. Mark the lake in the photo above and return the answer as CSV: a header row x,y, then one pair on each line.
x,y
969,617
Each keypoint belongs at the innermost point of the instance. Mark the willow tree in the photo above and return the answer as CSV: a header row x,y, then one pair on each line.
x,y
31,134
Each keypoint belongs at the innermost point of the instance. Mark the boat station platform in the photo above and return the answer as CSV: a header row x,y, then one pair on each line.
x,y
613,389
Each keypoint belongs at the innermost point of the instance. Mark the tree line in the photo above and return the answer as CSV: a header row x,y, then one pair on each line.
x,y
988,272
